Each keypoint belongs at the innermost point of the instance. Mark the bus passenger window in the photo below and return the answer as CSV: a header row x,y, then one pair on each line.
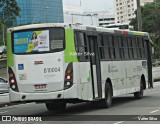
x,y
81,46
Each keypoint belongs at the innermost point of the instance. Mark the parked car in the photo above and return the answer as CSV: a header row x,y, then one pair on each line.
x,y
4,86
2,49
3,52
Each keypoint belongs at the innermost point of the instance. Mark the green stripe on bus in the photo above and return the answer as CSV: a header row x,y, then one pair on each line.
x,y
10,60
69,53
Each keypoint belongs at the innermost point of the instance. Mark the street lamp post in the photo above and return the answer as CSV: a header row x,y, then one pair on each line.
x,y
91,17
139,16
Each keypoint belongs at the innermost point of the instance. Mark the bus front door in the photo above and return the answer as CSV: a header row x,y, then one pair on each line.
x,y
95,67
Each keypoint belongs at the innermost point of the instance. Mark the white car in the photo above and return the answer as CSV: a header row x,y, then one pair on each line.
x,y
2,52
2,49
4,86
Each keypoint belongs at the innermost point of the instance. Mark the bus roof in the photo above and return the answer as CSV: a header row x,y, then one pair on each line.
x,y
79,27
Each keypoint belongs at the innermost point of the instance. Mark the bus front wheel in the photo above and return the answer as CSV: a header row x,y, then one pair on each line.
x,y
139,94
56,106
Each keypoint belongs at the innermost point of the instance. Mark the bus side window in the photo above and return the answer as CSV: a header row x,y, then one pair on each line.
x,y
134,48
130,46
106,47
81,46
116,46
121,47
145,48
125,43
139,45
101,47
111,47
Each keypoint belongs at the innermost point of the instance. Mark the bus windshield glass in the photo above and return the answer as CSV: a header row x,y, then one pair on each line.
x,y
38,40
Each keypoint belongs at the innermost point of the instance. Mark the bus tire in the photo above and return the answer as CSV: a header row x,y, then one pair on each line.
x,y
139,94
108,96
56,106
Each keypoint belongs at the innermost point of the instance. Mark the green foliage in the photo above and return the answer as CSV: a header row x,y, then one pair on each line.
x,y
150,23
8,11
150,18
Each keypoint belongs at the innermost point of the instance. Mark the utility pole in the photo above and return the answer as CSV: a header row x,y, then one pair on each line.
x,y
139,16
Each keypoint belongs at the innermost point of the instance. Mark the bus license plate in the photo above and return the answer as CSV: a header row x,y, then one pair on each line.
x,y
40,86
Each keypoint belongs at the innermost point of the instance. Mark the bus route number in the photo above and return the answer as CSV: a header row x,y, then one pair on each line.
x,y
52,70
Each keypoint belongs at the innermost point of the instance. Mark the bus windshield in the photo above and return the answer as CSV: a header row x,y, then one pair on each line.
x,y
38,40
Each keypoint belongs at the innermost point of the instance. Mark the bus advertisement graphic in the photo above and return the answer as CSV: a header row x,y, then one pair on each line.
x,y
32,41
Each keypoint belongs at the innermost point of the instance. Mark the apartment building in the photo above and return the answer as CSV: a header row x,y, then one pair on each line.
x,y
143,2
104,17
73,14
125,9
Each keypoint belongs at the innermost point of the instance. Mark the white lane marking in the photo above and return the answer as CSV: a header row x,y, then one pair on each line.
x,y
3,112
154,111
118,122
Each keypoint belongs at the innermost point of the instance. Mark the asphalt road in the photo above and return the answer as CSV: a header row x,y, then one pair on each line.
x,y
125,109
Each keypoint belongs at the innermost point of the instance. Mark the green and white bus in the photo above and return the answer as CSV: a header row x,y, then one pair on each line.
x,y
57,64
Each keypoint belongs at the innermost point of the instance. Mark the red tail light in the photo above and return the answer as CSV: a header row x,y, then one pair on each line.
x,y
68,81
12,80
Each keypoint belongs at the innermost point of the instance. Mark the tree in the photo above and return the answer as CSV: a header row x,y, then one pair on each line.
x,y
150,23
9,10
150,18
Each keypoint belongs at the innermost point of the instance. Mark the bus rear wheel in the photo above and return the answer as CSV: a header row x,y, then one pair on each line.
x,y
56,106
139,95
107,102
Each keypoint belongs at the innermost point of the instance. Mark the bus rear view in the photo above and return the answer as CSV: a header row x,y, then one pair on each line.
x,y
36,63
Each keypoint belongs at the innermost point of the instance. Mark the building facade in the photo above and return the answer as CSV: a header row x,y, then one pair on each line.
x,y
104,17
39,11
125,9
143,2
73,14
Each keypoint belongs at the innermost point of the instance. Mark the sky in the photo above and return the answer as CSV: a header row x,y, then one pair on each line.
x,y
93,5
